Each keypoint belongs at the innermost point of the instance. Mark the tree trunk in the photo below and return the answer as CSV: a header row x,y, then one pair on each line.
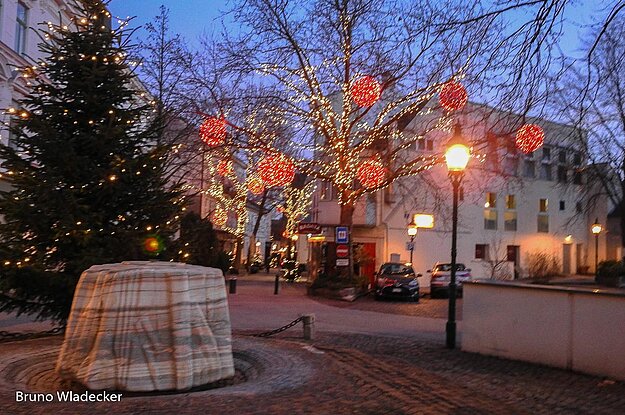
x,y
251,249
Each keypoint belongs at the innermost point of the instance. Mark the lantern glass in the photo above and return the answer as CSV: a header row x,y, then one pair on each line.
x,y
457,157
596,228
412,229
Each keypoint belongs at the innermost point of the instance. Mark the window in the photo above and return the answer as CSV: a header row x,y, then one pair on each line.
x,y
423,144
562,157
491,200
481,251
577,159
545,172
529,169
577,177
562,205
562,174
326,191
546,154
543,204
21,28
543,223
510,202
490,219
509,223
510,166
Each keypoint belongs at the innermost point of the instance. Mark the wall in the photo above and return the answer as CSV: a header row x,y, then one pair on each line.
x,y
576,329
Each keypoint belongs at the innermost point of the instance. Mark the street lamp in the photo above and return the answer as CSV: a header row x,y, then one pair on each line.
x,y
596,229
412,232
457,157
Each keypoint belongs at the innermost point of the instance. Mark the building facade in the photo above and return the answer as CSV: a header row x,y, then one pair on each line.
x,y
514,207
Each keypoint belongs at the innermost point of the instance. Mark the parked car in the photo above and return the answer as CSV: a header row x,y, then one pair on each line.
x,y
441,274
397,280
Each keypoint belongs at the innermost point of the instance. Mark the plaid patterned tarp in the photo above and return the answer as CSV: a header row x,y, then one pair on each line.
x,y
148,326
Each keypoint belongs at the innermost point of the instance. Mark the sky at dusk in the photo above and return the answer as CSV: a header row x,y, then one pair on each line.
x,y
190,18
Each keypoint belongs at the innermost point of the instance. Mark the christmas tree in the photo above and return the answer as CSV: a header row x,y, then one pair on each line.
x,y
86,177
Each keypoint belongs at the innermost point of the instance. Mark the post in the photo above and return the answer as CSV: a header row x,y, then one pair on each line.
x,y
233,285
411,248
276,285
309,326
450,328
596,254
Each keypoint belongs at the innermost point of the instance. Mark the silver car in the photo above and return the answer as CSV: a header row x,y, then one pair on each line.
x,y
441,275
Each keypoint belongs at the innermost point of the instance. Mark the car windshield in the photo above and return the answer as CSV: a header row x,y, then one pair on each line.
x,y
447,267
396,269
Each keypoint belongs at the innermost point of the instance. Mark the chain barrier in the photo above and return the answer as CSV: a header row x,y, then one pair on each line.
x,y
7,336
281,329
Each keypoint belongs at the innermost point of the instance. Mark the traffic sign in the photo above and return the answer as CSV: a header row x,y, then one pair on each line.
x,y
409,246
342,251
342,262
342,235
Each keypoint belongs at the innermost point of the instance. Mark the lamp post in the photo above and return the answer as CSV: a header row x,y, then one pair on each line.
x,y
412,232
456,156
596,229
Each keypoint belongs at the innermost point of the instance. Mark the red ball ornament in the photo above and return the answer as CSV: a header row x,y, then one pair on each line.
x,y
371,173
213,131
219,217
255,185
529,138
152,245
453,96
276,170
366,91
224,168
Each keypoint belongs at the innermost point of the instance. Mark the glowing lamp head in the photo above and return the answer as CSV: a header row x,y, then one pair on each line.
x,y
458,152
596,227
412,229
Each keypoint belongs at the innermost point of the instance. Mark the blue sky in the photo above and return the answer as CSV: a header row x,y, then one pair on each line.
x,y
190,18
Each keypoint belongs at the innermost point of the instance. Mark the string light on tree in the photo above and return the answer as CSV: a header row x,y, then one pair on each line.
x,y
529,138
276,170
371,173
255,185
213,131
219,217
453,96
366,91
225,168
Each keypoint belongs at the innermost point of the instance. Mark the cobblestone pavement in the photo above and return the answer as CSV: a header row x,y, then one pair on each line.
x,y
339,374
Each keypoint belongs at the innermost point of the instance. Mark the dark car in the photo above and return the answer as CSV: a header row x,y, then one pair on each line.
x,y
397,280
441,275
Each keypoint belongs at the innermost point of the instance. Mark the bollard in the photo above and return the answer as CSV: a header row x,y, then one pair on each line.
x,y
276,285
309,326
233,285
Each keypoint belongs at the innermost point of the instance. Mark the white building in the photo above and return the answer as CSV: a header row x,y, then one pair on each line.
x,y
512,205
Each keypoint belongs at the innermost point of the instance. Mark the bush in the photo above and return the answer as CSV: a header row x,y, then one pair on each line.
x,y
542,266
610,272
338,282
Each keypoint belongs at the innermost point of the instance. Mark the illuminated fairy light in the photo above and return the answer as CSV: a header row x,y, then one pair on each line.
x,y
453,96
225,168
255,185
366,91
529,138
371,173
219,217
276,170
213,131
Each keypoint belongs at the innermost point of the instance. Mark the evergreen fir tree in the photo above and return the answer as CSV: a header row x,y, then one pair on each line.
x,y
86,177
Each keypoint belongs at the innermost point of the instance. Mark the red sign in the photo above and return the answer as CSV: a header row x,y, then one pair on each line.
x,y
342,251
312,228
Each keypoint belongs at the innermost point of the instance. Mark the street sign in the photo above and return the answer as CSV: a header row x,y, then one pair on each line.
x,y
342,235
342,262
409,246
342,251
306,228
